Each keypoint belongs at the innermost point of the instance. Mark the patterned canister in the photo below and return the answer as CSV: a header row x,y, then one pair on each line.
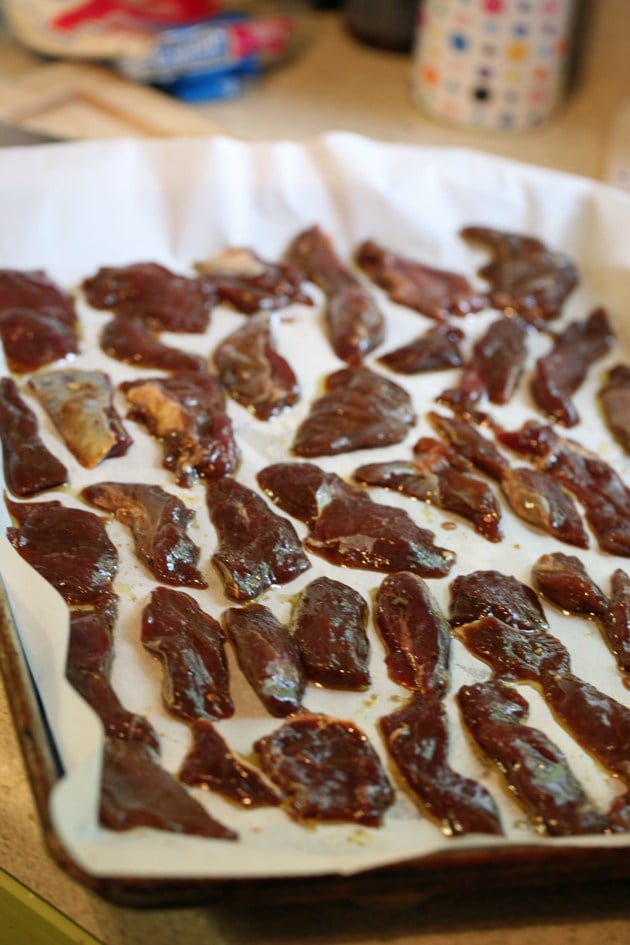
x,y
494,64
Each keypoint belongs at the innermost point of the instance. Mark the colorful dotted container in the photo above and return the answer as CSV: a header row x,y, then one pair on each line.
x,y
495,64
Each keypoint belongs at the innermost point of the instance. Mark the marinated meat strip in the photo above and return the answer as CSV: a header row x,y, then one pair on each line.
x,y
137,792
512,652
80,404
253,372
241,278
355,323
186,412
257,548
69,547
535,768
191,645
525,276
615,621
268,657
210,763
354,532
470,443
417,738
439,476
492,594
33,289
560,373
495,367
437,293
359,410
417,636
29,466
614,400
438,349
302,489
537,498
32,338
152,293
329,627
327,770
130,340
157,521
88,667
597,486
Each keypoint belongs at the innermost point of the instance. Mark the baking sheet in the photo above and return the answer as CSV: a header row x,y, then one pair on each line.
x,y
73,207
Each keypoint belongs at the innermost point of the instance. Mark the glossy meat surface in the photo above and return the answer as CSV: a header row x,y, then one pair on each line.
x,y
80,404
438,349
253,372
327,770
33,289
29,466
360,409
302,489
563,580
243,279
157,521
152,293
535,768
614,400
257,548
493,594
137,792
512,652
437,293
615,620
130,340
69,547
33,338
536,497
268,657
191,645
416,634
329,627
417,737
210,763
470,443
186,412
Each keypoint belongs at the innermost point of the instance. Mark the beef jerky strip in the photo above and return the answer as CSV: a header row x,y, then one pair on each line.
x,y
88,668
417,636
560,373
253,372
152,293
33,339
80,404
186,412
241,278
434,292
355,324
257,548
267,656
302,489
438,349
132,342
210,763
417,738
69,547
191,646
33,289
614,400
536,770
29,466
327,770
137,792
360,409
329,627
525,276
493,594
157,521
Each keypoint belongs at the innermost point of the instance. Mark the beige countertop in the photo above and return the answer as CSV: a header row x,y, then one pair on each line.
x,y
337,84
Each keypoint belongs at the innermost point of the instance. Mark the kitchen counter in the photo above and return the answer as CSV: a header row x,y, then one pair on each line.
x,y
337,84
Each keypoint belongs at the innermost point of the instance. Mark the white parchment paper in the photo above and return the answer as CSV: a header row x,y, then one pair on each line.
x,y
71,208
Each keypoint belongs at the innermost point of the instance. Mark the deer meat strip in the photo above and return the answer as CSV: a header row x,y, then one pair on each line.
x,y
535,768
29,466
191,646
257,548
417,738
438,349
514,653
416,635
241,278
360,410
157,521
32,339
355,323
80,404
492,594
186,412
302,489
253,372
614,400
327,770
537,498
329,627
69,547
132,342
